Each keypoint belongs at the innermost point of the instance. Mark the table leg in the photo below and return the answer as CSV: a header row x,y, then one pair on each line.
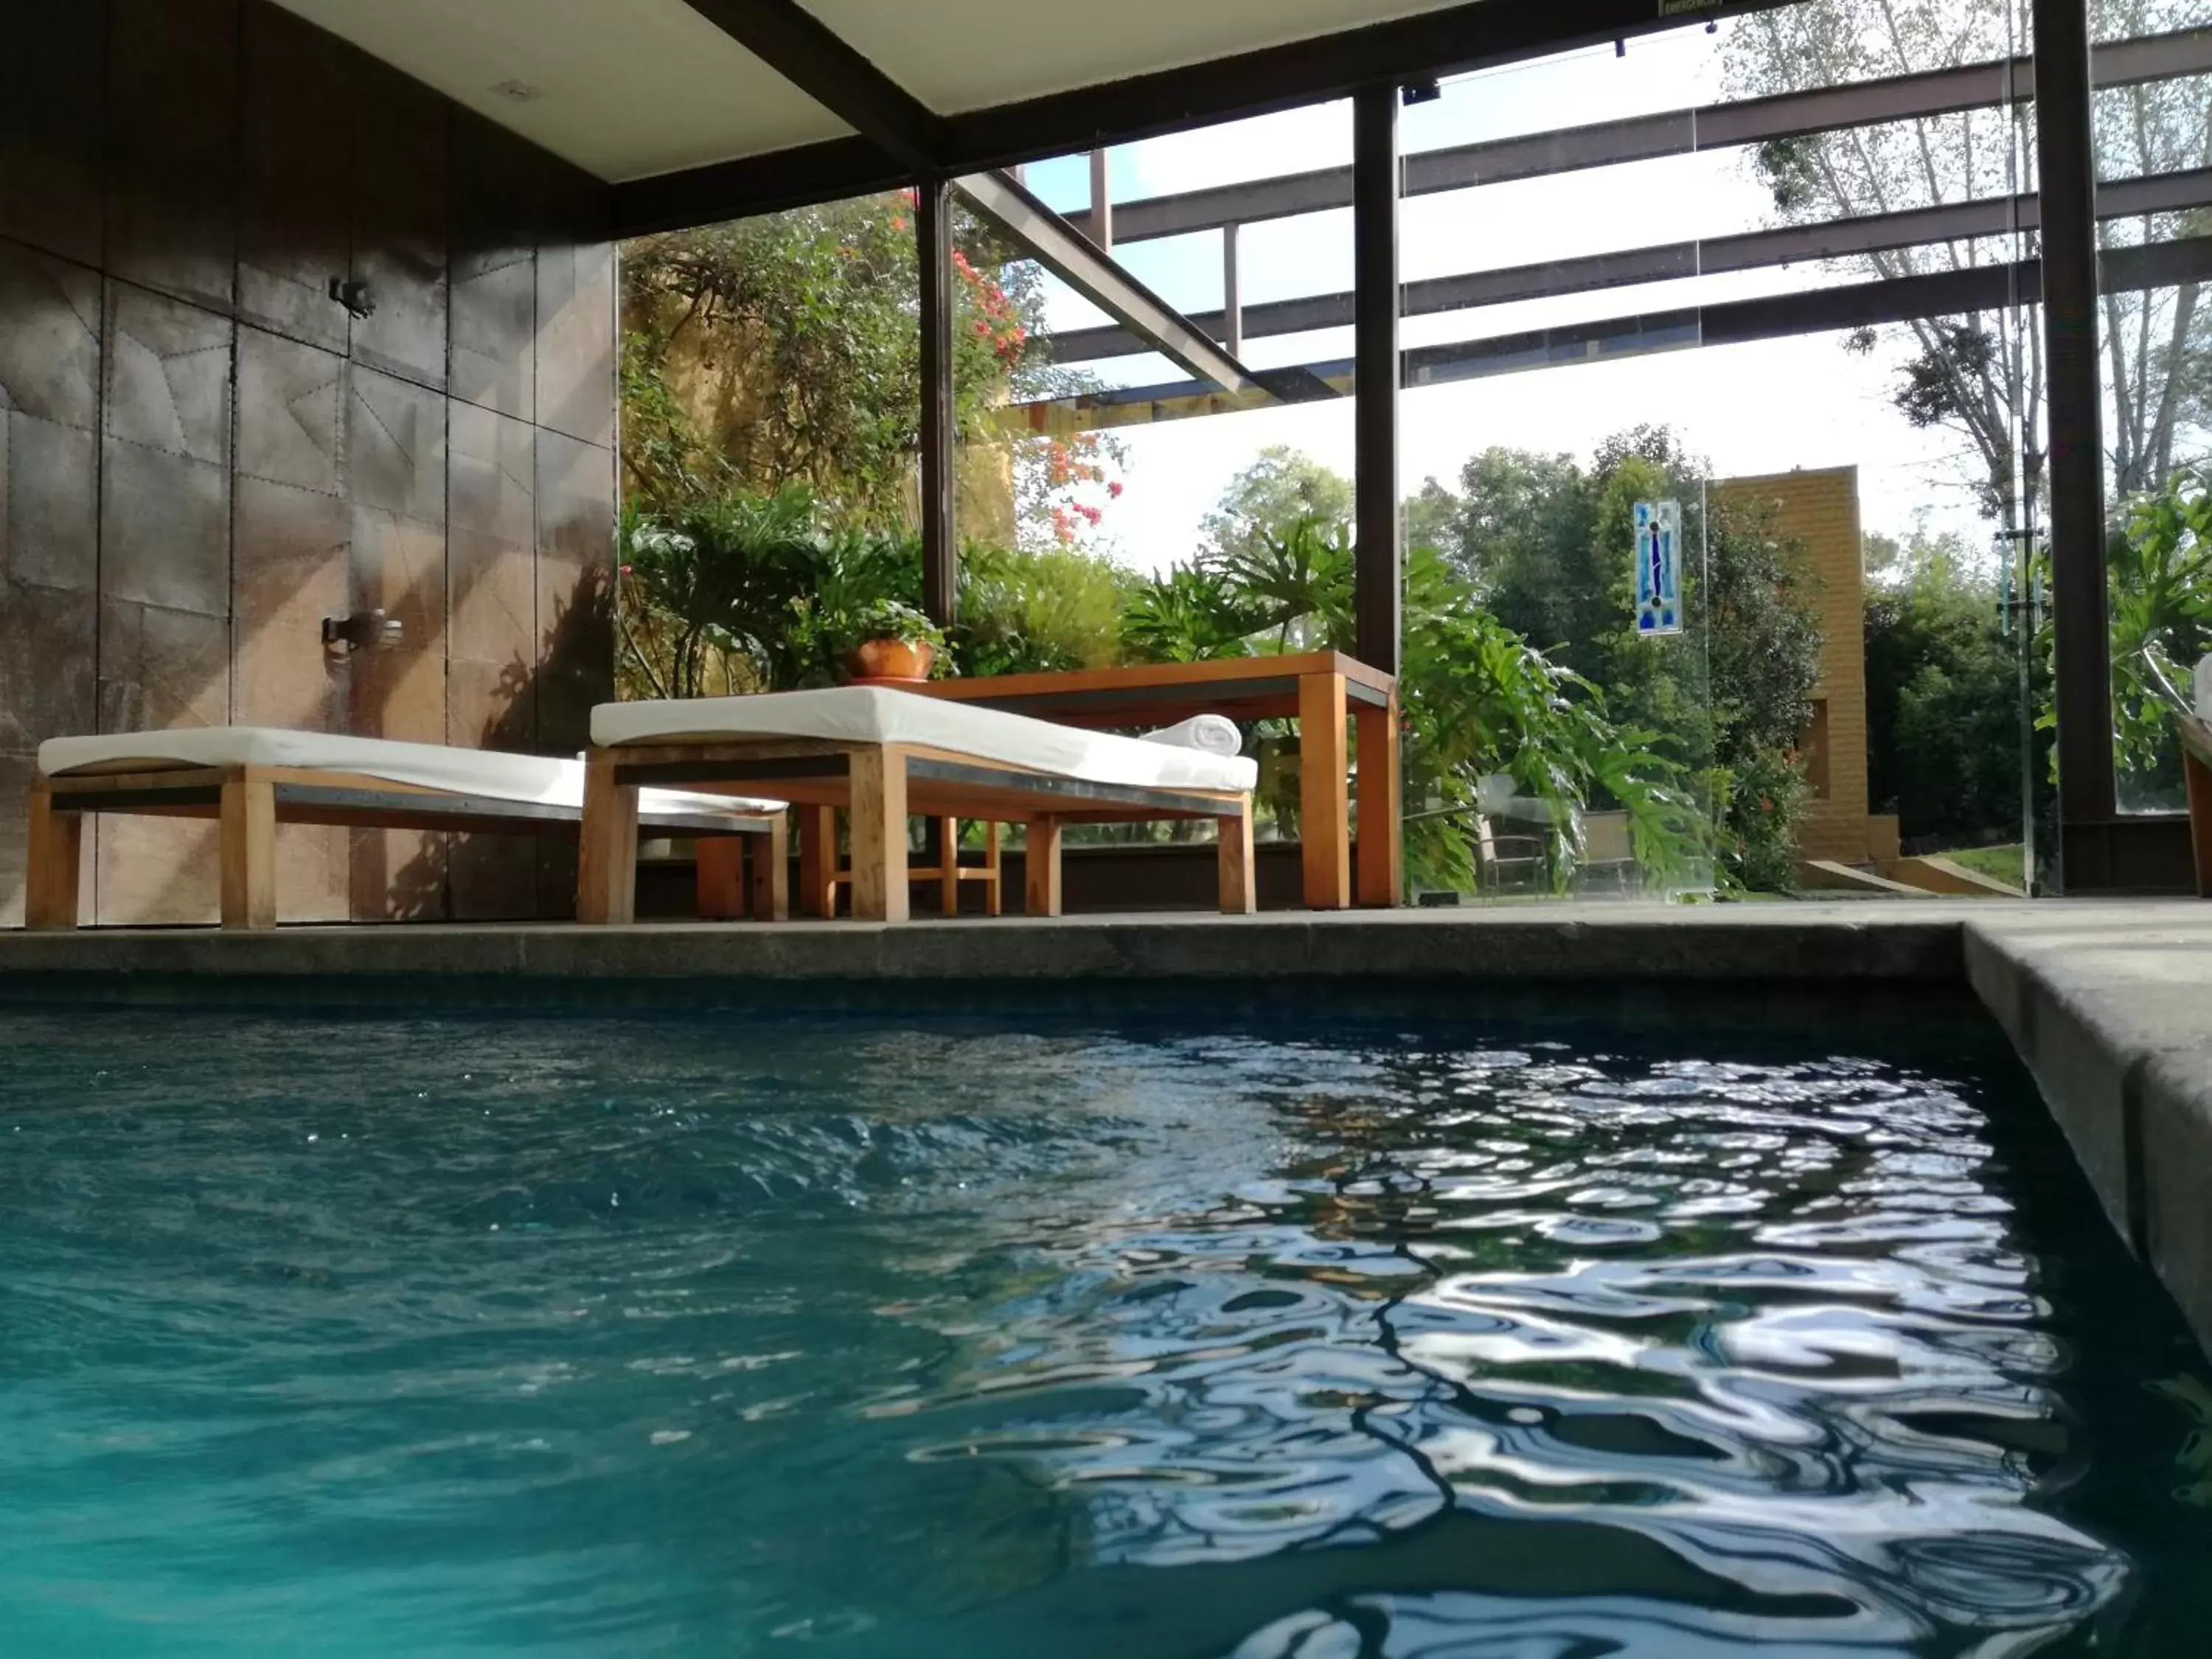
x,y
772,871
1239,888
817,860
1324,802
994,897
1381,851
948,866
606,858
247,833
878,811
55,857
1041,868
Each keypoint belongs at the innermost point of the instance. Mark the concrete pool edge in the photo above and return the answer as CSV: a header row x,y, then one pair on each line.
x,y
2110,1007
1801,943
2109,1004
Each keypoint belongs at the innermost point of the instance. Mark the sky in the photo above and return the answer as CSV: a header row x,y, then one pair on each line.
x,y
1767,407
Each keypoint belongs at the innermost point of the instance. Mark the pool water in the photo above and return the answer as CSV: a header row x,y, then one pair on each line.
x,y
1205,1336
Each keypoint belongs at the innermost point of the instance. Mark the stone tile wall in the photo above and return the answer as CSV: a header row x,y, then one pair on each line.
x,y
202,454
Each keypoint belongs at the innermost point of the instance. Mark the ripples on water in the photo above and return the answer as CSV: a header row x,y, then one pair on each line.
x,y
740,1337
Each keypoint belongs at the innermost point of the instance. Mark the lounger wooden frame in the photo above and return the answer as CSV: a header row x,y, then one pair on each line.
x,y
249,802
879,785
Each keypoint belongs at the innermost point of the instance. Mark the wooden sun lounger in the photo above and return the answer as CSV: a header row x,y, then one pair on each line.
x,y
879,785
249,802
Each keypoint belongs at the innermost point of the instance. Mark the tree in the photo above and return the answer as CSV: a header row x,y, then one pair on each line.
x,y
1981,376
1279,488
1545,542
1943,697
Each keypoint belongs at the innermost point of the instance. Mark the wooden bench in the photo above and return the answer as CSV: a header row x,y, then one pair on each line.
x,y
878,786
879,773
248,801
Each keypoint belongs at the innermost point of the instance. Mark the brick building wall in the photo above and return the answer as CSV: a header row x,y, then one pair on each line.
x,y
1820,508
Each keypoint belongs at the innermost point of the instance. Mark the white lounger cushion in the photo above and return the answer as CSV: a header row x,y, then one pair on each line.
x,y
534,778
866,713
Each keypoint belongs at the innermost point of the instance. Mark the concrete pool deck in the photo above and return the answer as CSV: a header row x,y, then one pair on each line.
x,y
2108,1002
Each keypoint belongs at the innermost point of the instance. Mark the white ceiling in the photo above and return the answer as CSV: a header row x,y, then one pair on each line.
x,y
625,88
958,55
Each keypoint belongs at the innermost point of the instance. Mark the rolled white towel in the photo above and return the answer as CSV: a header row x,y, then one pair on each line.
x,y
2205,689
1211,734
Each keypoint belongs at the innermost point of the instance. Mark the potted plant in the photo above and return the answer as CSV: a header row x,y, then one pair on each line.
x,y
892,640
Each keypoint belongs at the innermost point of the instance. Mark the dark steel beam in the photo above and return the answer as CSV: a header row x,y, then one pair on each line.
x,y
1077,262
1377,557
1739,322
940,546
2066,167
1673,132
1478,34
2164,193
797,45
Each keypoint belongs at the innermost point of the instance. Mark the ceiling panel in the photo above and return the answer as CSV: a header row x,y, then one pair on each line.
x,y
621,87
627,88
958,55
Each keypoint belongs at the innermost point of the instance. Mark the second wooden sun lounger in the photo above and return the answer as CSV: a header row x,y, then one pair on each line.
x,y
251,778
883,754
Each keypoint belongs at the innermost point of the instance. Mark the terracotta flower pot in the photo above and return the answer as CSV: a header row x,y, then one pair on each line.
x,y
892,659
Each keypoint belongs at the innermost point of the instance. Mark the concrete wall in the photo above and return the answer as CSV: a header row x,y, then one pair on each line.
x,y
1821,509
204,454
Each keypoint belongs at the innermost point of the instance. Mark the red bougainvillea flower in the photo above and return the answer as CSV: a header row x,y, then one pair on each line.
x,y
1114,489
898,221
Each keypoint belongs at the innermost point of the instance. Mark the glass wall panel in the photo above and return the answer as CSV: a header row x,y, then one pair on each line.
x,y
2154,136
1120,511
1752,339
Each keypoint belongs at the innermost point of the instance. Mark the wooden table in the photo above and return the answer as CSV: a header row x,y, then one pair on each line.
x,y
2196,765
1330,695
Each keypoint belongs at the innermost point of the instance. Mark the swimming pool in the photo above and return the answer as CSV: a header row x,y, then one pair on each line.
x,y
1198,1333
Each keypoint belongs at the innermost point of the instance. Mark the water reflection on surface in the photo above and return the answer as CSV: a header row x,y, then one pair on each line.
x,y
861,1339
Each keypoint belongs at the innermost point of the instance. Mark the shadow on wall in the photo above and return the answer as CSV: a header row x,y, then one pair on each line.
x,y
545,709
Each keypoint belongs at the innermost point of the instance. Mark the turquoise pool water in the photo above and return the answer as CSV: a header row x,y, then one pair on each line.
x,y
1202,1334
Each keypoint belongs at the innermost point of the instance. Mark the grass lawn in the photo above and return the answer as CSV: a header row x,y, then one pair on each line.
x,y
1997,863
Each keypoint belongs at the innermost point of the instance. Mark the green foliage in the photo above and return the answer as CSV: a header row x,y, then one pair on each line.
x,y
744,593
2160,584
1546,545
884,619
1277,490
710,594
783,349
1480,700
1943,696
1476,699
1025,611
1192,614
